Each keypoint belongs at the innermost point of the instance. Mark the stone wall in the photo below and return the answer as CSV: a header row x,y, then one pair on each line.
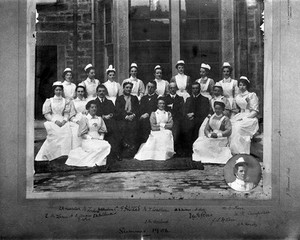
x,y
70,17
250,47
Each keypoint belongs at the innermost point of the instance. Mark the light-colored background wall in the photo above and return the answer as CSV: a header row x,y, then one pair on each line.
x,y
21,217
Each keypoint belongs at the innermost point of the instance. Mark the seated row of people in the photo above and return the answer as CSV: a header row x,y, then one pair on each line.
x,y
123,119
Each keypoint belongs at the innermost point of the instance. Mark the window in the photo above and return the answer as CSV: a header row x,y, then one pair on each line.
x,y
108,32
150,42
200,39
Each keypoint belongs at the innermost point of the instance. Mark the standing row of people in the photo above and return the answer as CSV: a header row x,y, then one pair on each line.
x,y
134,116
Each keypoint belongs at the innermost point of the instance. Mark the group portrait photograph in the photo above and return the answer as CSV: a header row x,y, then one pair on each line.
x,y
149,98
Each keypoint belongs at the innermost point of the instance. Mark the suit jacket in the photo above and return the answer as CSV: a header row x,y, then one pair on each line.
x,y
120,107
148,104
104,108
177,108
199,106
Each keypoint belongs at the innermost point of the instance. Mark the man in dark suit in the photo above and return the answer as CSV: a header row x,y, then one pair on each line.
x,y
147,106
127,113
174,104
106,109
196,110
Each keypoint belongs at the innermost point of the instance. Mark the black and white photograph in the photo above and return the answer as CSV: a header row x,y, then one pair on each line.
x,y
157,117
149,119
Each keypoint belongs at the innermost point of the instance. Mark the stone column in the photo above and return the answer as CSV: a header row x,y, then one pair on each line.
x,y
227,31
175,33
121,37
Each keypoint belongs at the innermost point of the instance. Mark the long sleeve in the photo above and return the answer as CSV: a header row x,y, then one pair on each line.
x,y
67,110
227,127
135,106
207,129
120,108
73,112
211,86
47,111
153,122
141,90
167,88
189,85
102,128
169,124
253,102
235,88
187,107
83,128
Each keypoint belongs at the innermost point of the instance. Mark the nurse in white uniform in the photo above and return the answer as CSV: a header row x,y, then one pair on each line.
x,y
94,149
213,147
59,137
240,171
138,88
229,85
162,86
78,111
183,81
245,122
69,87
205,82
113,87
90,83
160,143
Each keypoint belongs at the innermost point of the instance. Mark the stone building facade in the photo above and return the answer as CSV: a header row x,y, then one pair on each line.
x,y
73,33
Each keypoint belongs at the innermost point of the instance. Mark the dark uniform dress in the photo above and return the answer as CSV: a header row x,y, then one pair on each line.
x,y
128,129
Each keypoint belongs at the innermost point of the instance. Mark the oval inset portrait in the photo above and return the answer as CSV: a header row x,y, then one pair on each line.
x,y
242,172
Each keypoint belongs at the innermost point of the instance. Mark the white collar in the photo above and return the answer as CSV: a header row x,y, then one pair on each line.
x,y
133,79
57,98
150,95
244,93
90,80
67,83
160,111
78,99
227,79
196,95
218,116
101,99
240,182
89,116
172,96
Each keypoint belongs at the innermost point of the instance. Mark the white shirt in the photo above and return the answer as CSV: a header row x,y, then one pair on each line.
x,y
69,89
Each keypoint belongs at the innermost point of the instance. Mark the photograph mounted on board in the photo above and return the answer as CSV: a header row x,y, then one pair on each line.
x,y
140,107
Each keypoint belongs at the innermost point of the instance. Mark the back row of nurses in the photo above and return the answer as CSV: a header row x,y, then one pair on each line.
x,y
183,81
